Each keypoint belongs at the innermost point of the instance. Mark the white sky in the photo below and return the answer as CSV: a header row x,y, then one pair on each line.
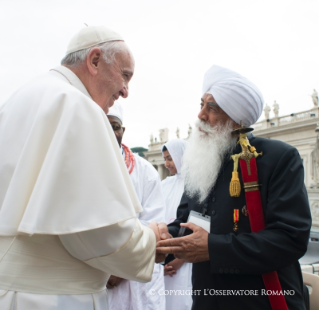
x,y
174,42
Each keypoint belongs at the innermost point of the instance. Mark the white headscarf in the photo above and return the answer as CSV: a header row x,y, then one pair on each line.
x,y
173,187
117,111
176,149
239,98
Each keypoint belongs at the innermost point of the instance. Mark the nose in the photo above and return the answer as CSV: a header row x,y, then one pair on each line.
x,y
124,92
166,164
202,115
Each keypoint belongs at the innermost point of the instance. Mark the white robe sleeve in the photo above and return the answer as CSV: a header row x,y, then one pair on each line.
x,y
125,249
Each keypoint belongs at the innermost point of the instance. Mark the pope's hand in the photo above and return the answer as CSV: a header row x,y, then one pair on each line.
x,y
192,248
161,232
154,227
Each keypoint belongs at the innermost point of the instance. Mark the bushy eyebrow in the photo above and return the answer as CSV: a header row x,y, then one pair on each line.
x,y
213,104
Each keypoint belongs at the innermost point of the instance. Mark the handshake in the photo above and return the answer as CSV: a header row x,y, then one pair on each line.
x,y
192,248
161,233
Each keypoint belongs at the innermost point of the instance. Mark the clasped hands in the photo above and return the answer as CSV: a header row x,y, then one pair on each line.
x,y
192,248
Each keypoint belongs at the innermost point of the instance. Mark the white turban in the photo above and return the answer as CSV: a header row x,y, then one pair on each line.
x,y
239,98
117,111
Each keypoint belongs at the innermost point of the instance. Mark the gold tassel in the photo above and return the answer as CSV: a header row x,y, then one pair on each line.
x,y
234,186
247,153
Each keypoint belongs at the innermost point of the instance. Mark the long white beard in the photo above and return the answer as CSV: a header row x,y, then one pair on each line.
x,y
204,157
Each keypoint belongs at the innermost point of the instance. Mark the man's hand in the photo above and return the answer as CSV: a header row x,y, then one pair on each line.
x,y
169,271
161,232
114,281
192,248
171,268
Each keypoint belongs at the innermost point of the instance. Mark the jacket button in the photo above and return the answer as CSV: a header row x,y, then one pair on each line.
x,y
213,199
226,270
220,270
213,212
237,271
231,271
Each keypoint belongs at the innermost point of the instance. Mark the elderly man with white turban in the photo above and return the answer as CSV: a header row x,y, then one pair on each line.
x,y
248,214
67,205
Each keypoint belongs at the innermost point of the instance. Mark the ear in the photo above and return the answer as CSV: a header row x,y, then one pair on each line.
x,y
93,60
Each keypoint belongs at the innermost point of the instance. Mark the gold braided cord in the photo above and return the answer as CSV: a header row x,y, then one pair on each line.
x,y
247,153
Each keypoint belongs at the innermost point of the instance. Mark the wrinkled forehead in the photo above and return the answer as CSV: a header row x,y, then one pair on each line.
x,y
208,98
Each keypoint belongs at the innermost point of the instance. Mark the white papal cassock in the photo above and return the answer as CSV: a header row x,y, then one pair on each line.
x,y
68,207
132,295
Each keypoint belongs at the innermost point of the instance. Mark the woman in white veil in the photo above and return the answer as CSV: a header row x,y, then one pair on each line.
x,y
177,272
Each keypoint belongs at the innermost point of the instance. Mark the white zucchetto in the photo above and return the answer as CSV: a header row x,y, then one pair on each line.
x,y
239,98
91,36
117,111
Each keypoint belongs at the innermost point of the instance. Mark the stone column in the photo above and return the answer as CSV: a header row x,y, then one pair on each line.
x,y
161,171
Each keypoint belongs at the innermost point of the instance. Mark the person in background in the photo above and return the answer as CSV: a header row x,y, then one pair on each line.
x,y
177,272
126,294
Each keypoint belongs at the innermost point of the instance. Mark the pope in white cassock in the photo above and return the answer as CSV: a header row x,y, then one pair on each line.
x,y
67,204
129,294
178,273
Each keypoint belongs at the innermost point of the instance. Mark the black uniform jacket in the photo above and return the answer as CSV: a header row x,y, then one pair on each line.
x,y
232,279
